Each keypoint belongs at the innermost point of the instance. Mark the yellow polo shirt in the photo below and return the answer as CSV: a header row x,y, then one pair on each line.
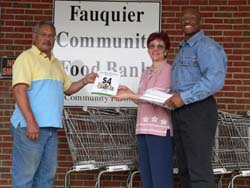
x,y
47,82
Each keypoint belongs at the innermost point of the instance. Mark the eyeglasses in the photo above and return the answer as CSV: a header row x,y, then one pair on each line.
x,y
45,35
158,47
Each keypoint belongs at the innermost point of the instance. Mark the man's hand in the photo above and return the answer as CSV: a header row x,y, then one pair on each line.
x,y
32,128
175,101
32,131
90,78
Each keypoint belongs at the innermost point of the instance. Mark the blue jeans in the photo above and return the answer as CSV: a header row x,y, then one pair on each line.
x,y
34,163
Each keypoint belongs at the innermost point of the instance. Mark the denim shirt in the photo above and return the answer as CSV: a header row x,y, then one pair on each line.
x,y
199,68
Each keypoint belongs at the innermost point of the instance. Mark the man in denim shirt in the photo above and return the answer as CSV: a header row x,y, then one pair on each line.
x,y
199,71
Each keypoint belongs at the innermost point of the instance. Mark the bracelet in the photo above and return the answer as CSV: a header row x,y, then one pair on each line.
x,y
83,81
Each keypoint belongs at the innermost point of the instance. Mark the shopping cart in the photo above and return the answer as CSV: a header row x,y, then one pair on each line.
x,y
100,139
231,152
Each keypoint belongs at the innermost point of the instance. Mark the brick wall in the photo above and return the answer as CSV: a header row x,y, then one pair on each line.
x,y
227,21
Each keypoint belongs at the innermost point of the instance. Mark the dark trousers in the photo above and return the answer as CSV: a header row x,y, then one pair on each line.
x,y
155,160
194,128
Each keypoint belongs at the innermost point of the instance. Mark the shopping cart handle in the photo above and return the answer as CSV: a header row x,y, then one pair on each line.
x,y
117,168
245,173
219,171
85,167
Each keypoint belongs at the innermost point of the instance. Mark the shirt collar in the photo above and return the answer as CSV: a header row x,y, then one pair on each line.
x,y
36,50
159,67
197,36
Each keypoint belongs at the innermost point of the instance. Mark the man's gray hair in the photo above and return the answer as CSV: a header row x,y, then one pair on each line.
x,y
44,22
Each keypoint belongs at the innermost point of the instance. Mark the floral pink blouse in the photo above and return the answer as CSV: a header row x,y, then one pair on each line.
x,y
153,119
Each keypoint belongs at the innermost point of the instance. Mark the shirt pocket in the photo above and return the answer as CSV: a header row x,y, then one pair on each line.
x,y
190,68
190,61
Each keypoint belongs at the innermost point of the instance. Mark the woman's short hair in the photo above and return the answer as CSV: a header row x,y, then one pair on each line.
x,y
161,36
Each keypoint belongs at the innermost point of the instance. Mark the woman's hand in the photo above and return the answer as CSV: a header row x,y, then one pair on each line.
x,y
124,93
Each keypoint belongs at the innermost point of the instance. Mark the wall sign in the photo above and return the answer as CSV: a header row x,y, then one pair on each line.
x,y
6,64
104,36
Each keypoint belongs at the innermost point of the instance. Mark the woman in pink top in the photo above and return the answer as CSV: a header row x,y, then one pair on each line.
x,y
153,128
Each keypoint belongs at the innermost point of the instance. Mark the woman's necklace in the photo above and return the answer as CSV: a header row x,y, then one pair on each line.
x,y
152,71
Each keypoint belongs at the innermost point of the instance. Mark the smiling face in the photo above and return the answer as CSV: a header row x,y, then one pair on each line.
x,y
190,22
44,39
157,50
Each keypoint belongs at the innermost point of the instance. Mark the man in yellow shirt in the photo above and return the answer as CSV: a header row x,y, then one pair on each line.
x,y
39,85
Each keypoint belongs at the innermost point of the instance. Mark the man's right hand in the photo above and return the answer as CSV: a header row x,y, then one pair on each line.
x,y
175,101
32,131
